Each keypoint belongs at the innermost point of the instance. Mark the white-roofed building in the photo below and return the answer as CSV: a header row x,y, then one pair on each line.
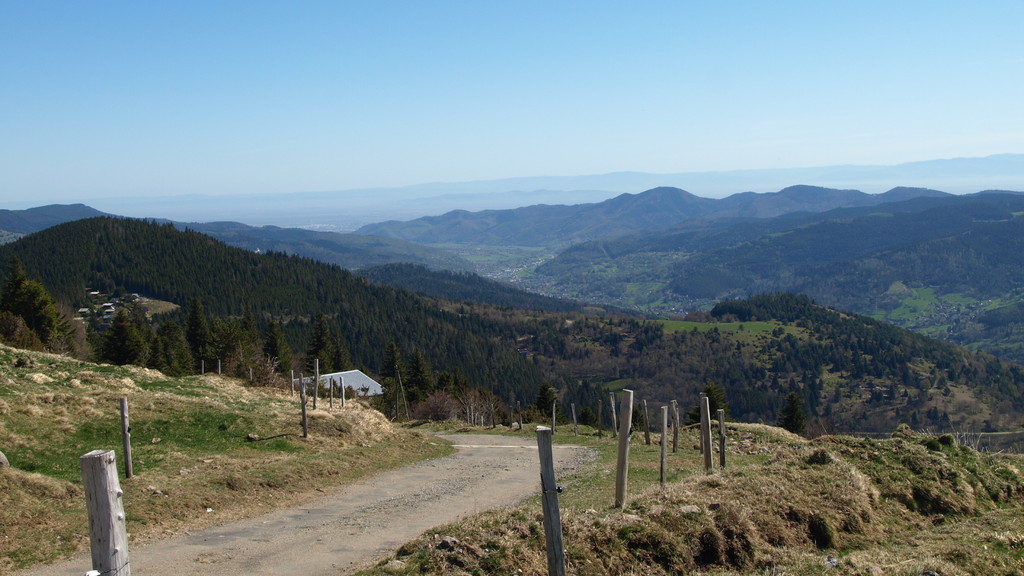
x,y
354,379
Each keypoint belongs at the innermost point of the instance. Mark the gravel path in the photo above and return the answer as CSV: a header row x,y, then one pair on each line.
x,y
357,525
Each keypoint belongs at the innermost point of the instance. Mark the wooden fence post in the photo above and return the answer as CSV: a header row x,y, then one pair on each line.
x,y
721,437
302,400
647,424
705,431
615,423
330,394
316,380
293,382
108,537
675,427
202,366
625,430
341,386
218,366
600,415
575,425
126,435
553,404
664,444
552,515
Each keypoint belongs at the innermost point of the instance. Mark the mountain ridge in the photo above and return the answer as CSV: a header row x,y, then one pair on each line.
x,y
559,226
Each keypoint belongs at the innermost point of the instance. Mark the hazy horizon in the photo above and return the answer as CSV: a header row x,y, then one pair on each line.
x,y
347,210
157,100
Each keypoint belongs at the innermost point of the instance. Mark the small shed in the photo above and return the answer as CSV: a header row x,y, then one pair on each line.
x,y
354,379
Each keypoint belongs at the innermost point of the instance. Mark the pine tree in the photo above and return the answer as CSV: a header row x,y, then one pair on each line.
x,y
792,416
124,342
420,382
197,332
175,358
29,300
320,346
716,401
545,398
276,348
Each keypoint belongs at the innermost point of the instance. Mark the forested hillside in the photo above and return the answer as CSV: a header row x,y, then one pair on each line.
x,y
464,286
122,256
351,251
937,265
850,372
20,222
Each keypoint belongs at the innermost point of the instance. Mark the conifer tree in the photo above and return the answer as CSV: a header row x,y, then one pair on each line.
x,y
420,381
716,401
124,342
320,346
545,397
276,348
28,299
792,416
197,332
174,359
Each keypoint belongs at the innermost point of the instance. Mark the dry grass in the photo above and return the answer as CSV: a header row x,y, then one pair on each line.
x,y
195,462
784,506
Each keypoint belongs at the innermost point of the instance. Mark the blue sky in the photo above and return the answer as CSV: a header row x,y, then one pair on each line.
x,y
106,99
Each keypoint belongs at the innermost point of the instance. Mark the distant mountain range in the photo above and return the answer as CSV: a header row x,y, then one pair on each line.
x,y
16,223
557,227
349,251
347,210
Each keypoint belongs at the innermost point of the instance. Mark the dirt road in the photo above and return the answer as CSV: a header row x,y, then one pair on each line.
x,y
357,525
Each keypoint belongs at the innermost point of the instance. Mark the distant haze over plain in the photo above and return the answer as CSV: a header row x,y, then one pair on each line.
x,y
347,210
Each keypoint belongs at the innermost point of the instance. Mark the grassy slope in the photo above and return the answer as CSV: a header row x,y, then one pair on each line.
x,y
192,461
785,505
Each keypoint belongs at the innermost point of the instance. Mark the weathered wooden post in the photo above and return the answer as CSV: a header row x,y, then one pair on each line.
x,y
647,424
218,366
108,537
575,425
316,380
202,366
126,435
552,515
705,431
600,415
664,444
293,382
341,388
675,427
615,423
330,404
553,404
250,374
721,437
625,430
302,400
